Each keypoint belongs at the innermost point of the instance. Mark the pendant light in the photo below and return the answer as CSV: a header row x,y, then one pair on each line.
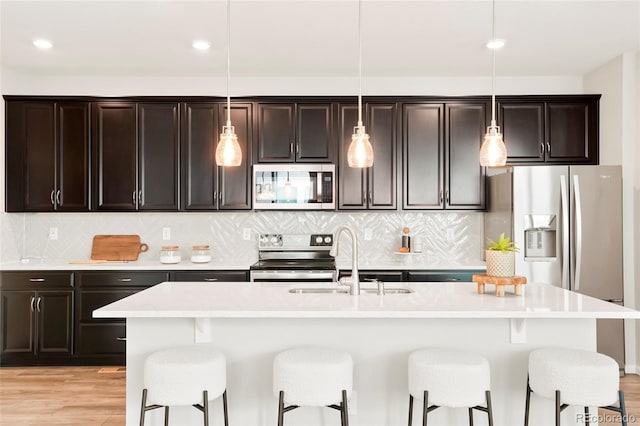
x,y
493,152
360,152
228,152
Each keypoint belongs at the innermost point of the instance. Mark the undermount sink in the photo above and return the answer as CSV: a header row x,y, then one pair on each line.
x,y
346,291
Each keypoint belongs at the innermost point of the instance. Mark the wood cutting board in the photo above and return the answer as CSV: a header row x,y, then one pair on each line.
x,y
117,247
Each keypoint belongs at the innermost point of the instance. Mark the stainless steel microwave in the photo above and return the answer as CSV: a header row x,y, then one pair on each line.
x,y
294,187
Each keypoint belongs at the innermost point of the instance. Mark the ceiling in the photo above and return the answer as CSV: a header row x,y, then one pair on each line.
x,y
316,38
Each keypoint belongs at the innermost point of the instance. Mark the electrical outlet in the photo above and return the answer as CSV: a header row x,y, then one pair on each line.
x,y
246,234
166,234
450,235
368,234
352,406
53,233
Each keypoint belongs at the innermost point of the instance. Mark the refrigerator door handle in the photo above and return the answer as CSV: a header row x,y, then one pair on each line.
x,y
578,225
618,301
564,210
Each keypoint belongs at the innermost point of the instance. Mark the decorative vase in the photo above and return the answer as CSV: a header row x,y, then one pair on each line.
x,y
500,263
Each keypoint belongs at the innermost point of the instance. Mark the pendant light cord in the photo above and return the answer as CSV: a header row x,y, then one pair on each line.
x,y
228,62
360,62
493,72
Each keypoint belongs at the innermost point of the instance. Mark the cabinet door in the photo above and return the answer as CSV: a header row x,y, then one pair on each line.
x,y
464,134
18,315
352,182
383,174
55,321
234,189
31,156
72,192
522,125
423,156
315,135
199,130
276,133
115,156
572,132
158,156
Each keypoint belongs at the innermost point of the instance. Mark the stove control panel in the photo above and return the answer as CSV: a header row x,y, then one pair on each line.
x,y
321,240
270,241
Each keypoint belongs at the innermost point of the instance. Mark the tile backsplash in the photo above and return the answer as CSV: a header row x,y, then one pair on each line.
x,y
450,237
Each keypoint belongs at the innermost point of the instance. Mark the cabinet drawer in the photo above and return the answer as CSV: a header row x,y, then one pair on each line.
x,y
101,339
26,280
121,278
209,276
442,276
90,300
376,275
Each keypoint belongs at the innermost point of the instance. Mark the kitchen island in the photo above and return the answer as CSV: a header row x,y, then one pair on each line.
x,y
251,323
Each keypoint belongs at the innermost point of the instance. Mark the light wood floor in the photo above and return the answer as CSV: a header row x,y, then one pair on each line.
x,y
88,396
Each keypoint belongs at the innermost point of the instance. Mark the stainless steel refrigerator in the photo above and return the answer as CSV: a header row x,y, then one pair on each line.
x,y
567,223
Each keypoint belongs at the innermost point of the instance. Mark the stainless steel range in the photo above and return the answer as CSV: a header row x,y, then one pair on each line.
x,y
294,257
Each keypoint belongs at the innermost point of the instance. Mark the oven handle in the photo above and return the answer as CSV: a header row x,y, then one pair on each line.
x,y
292,275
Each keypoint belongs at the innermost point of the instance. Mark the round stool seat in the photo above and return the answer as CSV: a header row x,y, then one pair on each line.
x,y
312,376
582,377
452,378
178,376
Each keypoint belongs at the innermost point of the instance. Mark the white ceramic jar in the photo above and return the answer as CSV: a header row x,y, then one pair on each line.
x,y
200,254
170,254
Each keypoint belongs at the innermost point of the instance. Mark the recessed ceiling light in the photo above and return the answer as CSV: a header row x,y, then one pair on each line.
x,y
495,44
200,44
42,43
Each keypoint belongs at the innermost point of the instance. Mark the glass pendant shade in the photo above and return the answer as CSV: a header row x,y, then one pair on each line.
x,y
228,152
493,152
360,153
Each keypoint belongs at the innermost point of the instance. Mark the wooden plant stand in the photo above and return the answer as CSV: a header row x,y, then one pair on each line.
x,y
500,283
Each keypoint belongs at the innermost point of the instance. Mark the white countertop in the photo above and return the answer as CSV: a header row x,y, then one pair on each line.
x,y
429,300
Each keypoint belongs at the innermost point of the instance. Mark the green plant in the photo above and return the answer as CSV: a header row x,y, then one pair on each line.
x,y
503,244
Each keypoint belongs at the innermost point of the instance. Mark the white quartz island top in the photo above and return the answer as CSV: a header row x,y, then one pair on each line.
x,y
428,300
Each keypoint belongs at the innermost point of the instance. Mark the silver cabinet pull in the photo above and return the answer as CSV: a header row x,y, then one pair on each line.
x,y
121,339
133,198
220,196
124,280
140,196
215,196
211,279
370,197
53,203
541,149
548,148
297,148
33,299
59,197
291,147
38,304
37,280
447,196
440,197
452,279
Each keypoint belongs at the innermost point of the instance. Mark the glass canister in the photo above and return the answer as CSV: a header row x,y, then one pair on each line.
x,y
200,254
170,254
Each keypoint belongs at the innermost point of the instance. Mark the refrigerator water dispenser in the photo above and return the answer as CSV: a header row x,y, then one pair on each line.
x,y
540,237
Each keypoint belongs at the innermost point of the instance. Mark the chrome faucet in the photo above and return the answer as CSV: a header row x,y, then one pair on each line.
x,y
352,281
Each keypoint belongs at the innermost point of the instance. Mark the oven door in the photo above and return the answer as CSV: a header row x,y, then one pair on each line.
x,y
282,275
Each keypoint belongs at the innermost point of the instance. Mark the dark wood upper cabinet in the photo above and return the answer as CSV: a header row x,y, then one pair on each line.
x,y
205,185
115,156
465,179
315,133
550,129
423,156
47,153
374,187
158,156
276,133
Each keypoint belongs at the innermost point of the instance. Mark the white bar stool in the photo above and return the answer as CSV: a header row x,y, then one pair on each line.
x,y
187,375
574,377
449,378
316,377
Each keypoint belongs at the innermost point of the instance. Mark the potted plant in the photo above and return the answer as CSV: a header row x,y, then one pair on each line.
x,y
500,257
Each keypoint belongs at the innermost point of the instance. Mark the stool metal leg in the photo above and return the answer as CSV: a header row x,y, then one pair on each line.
x,y
166,415
205,406
281,409
410,410
489,408
224,408
142,406
345,409
623,409
526,405
425,407
558,408
586,416
470,416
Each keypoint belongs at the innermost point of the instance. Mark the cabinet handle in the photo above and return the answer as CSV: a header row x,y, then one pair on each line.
x,y
33,299
140,196
121,339
541,149
37,280
211,279
447,196
124,280
440,197
452,279
291,147
548,148
133,197
38,304
297,149
53,203
215,196
220,196
370,197
59,197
